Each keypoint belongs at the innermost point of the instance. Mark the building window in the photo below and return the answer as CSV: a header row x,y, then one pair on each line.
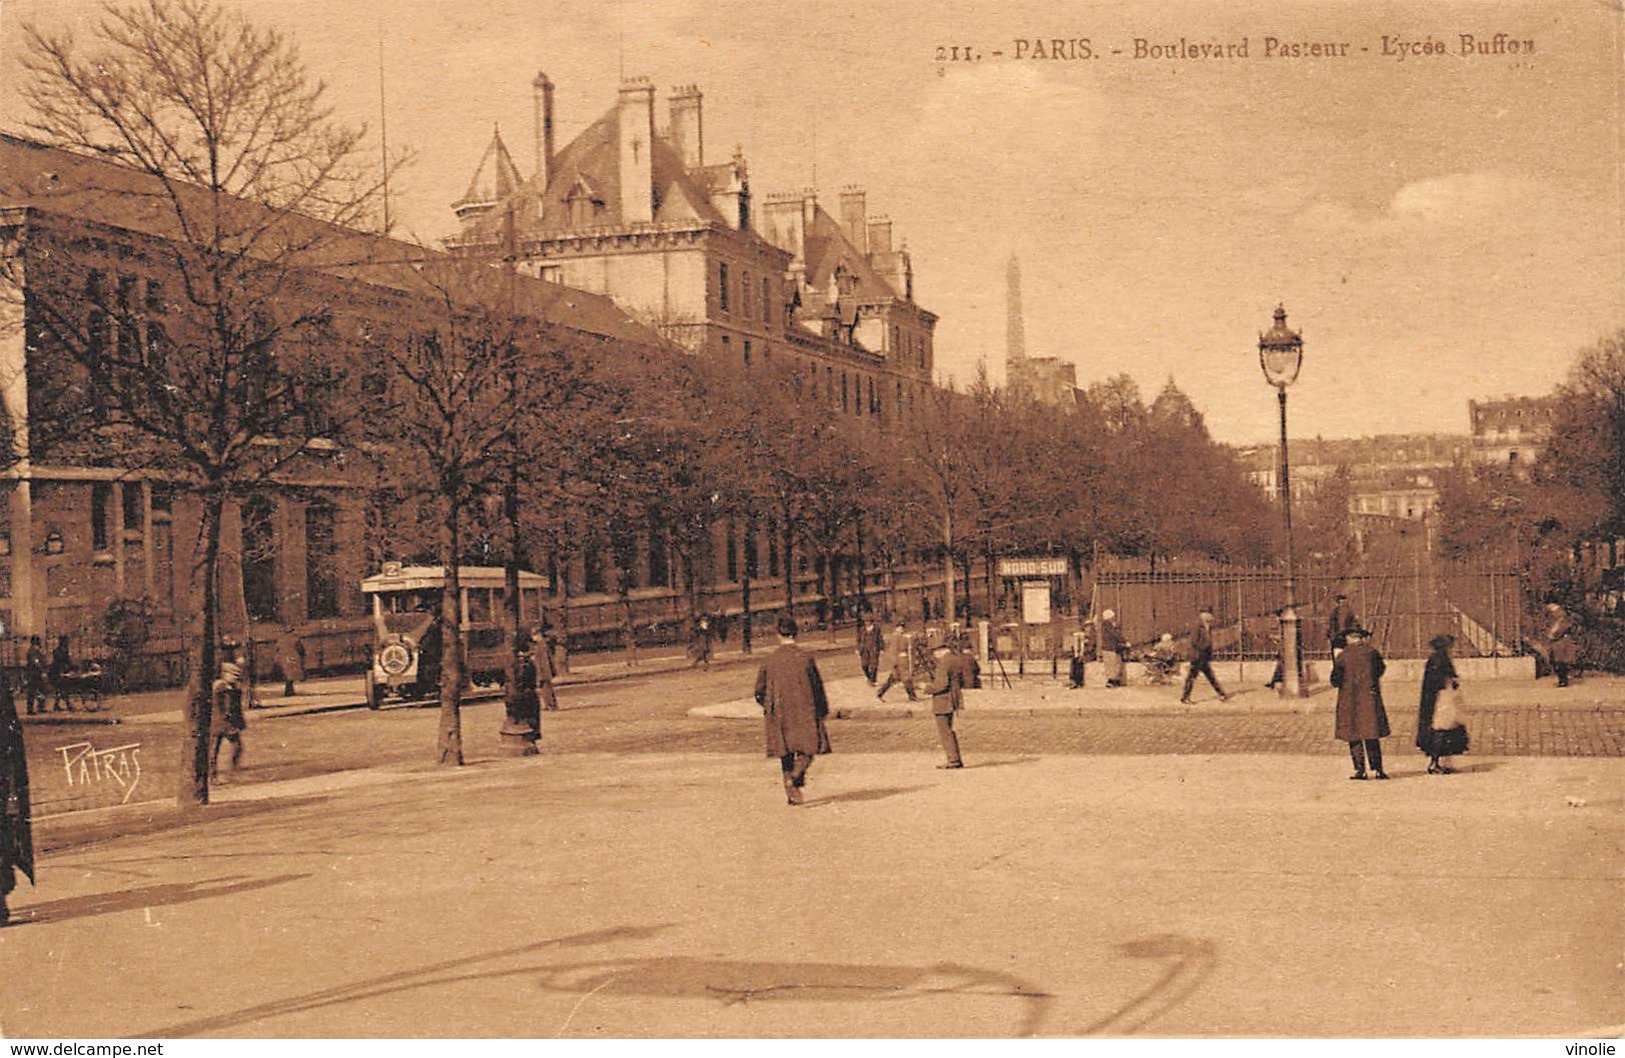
x,y
321,561
772,550
101,497
844,405
134,514
727,347
722,286
747,352
753,566
874,401
744,295
260,593
730,553
592,570
659,566
767,303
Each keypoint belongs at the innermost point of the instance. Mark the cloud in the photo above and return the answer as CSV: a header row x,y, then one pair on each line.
x,y
1454,200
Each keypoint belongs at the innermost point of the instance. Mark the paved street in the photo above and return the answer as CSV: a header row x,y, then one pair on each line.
x,y
637,714
593,894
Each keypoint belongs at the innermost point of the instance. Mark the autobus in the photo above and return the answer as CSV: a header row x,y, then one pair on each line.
x,y
407,639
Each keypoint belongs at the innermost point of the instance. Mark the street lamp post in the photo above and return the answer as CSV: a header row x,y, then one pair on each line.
x,y
1280,354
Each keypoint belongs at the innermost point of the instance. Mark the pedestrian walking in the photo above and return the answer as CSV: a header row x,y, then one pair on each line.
x,y
1339,621
871,648
523,723
1082,650
954,676
791,694
1561,650
1111,648
902,668
226,720
61,665
1362,721
701,643
16,827
290,651
541,652
1202,657
1440,730
1278,676
34,676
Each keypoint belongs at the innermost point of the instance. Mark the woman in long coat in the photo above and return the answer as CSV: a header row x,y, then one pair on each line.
x,y
1439,674
1561,650
1111,648
791,694
1361,719
16,832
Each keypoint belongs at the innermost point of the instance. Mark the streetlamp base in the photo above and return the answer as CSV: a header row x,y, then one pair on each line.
x,y
1291,655
518,739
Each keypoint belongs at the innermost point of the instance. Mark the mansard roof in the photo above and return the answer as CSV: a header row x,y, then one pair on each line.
x,y
826,248
594,158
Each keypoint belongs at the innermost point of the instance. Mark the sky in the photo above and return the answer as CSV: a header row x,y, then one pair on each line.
x,y
1440,227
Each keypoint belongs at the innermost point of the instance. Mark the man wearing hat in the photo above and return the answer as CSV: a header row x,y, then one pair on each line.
x,y
902,666
791,694
226,720
954,674
1202,656
1361,719
871,646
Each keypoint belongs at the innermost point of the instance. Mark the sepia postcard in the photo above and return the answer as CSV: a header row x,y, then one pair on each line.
x,y
701,519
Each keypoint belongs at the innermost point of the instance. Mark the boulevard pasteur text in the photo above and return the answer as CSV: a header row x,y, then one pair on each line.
x,y
1397,47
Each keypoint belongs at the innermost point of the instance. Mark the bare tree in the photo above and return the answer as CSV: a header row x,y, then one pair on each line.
x,y
227,158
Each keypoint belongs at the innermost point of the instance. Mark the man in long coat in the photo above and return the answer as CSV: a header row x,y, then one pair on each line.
x,y
1202,657
290,652
871,646
791,694
1361,719
16,831
954,675
541,655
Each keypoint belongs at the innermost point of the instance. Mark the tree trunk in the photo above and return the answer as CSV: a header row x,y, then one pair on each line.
x,y
451,643
863,595
563,633
789,566
511,597
194,786
948,561
744,586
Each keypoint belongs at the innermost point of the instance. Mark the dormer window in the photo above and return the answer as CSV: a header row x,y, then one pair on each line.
x,y
582,204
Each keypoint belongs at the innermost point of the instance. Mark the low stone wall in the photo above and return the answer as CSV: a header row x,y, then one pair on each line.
x,y
1316,670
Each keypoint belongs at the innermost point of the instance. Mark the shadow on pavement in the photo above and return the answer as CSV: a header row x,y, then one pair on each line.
x,y
1003,763
1189,961
164,895
877,794
434,974
726,981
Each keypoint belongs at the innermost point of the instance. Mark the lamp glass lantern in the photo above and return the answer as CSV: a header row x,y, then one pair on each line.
x,y
1280,352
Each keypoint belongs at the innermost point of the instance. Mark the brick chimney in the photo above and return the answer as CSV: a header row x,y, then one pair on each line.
x,y
637,122
854,217
879,236
544,129
687,131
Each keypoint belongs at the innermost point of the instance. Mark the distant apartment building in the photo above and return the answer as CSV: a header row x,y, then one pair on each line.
x,y
1510,431
1396,475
